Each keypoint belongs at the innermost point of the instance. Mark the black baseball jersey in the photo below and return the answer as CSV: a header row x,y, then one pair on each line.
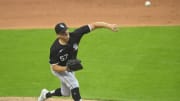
x,y
59,54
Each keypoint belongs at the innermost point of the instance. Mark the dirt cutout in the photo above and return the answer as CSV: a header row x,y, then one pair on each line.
x,y
46,13
34,99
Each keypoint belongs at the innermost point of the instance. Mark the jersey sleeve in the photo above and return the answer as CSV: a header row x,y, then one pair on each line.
x,y
83,30
78,33
53,58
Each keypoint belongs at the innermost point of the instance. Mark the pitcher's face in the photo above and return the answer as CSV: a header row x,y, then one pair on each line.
x,y
64,36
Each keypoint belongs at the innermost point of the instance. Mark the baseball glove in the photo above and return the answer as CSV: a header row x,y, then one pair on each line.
x,y
74,65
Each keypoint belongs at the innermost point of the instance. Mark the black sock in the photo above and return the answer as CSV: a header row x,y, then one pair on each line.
x,y
57,92
75,94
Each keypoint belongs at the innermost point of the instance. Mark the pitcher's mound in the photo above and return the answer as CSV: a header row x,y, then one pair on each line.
x,y
34,99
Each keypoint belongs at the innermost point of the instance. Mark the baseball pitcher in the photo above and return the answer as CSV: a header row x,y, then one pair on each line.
x,y
63,59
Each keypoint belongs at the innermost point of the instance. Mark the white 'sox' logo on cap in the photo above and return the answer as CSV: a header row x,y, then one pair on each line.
x,y
62,26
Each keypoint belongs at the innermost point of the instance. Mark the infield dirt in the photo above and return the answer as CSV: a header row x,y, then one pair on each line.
x,y
46,13
33,99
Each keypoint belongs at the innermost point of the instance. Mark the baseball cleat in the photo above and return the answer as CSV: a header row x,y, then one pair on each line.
x,y
42,96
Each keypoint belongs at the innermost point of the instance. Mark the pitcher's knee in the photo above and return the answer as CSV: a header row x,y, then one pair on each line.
x,y
74,85
66,94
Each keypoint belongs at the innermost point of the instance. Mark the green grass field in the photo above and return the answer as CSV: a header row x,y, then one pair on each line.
x,y
135,64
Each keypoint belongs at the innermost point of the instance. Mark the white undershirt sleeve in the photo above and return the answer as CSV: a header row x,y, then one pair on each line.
x,y
90,27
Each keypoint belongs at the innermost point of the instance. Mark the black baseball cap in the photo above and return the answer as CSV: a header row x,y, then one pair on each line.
x,y
60,28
